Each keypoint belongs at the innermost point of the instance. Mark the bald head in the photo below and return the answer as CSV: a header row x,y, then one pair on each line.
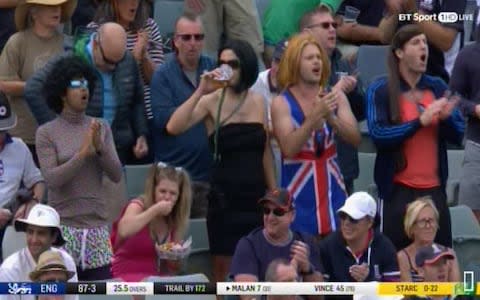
x,y
113,39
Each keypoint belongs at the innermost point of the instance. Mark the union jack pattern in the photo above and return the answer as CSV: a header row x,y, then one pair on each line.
x,y
313,178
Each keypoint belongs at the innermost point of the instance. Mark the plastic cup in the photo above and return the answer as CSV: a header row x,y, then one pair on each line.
x,y
351,14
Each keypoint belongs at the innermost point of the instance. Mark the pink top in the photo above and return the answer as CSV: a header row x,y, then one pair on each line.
x,y
135,258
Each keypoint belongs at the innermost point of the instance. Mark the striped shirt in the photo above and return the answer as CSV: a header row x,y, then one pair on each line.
x,y
154,50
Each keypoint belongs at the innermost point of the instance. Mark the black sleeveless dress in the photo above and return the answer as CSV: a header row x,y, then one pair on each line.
x,y
237,183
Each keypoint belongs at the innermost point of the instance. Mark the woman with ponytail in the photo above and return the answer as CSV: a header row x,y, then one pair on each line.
x,y
157,217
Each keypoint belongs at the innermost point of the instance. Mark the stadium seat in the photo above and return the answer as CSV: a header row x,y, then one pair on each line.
x,y
199,260
371,62
165,13
465,235
365,181
366,144
185,278
455,163
135,175
13,241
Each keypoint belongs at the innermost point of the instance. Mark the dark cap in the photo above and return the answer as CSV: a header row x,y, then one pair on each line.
x,y
279,49
280,197
8,119
431,254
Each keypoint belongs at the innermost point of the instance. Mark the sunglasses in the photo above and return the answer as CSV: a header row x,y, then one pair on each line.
x,y
77,84
278,212
105,59
188,37
234,64
324,25
163,165
345,217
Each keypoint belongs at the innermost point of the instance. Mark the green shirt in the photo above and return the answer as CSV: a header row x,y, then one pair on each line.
x,y
282,17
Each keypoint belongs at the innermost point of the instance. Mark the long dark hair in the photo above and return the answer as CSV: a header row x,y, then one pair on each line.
x,y
107,12
400,38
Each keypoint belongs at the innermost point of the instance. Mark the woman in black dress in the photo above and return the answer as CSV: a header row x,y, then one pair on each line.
x,y
243,167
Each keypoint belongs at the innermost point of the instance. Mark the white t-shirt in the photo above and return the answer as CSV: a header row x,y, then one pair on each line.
x,y
18,266
16,165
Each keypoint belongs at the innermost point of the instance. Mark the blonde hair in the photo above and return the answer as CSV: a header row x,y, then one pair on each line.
x,y
413,210
180,214
289,68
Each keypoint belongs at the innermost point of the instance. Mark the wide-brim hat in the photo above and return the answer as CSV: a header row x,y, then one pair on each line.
x,y
50,261
8,119
21,11
42,215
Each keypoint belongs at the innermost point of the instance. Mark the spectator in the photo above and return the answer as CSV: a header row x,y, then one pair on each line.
x,y
444,38
321,25
281,270
7,21
75,151
465,76
358,252
143,41
267,86
243,160
157,217
364,30
37,40
282,17
118,96
304,120
83,14
51,268
17,168
42,228
256,251
433,262
410,122
173,83
421,226
232,19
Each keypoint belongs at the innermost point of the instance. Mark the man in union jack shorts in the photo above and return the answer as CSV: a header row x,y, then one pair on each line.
x,y
306,116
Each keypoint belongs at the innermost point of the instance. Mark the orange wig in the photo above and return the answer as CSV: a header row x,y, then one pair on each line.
x,y
289,68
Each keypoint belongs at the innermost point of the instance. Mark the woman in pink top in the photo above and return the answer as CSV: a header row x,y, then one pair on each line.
x,y
158,216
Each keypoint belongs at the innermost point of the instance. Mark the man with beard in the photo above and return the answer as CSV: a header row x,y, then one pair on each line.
x,y
410,119
306,117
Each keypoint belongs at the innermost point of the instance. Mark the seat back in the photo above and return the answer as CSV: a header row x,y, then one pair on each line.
x,y
165,13
13,241
465,235
135,176
371,62
365,182
455,163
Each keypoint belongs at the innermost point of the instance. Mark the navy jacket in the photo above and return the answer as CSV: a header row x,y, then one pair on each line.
x,y
389,137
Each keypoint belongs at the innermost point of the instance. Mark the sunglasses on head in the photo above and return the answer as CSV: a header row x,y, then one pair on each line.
x,y
345,217
324,25
278,212
77,83
188,37
162,165
234,64
102,53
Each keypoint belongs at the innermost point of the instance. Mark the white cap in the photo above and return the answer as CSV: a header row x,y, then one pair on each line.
x,y
359,205
43,216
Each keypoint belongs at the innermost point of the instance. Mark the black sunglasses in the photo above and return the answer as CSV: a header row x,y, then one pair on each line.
x,y
105,59
188,37
345,217
278,212
324,25
234,64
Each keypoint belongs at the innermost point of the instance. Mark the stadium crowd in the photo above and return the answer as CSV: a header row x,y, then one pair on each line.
x,y
252,122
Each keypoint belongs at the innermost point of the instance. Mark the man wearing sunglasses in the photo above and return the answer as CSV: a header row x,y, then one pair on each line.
x,y
320,23
118,95
275,240
173,83
358,251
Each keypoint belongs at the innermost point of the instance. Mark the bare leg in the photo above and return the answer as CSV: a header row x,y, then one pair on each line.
x,y
221,267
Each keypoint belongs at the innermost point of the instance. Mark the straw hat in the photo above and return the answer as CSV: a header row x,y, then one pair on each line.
x,y
50,261
21,11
